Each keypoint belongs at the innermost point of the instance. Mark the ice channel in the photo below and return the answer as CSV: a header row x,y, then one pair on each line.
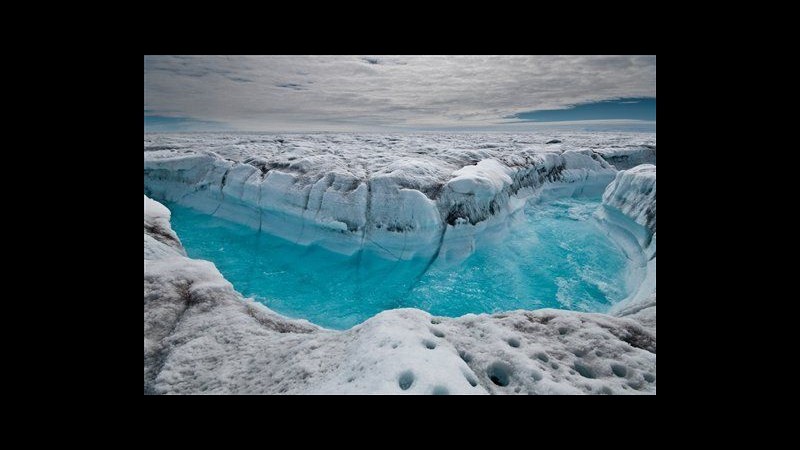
x,y
555,255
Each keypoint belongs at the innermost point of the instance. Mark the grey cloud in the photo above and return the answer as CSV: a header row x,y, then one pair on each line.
x,y
295,86
275,92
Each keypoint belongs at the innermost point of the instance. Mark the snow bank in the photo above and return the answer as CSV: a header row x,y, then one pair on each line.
x,y
483,180
159,239
201,336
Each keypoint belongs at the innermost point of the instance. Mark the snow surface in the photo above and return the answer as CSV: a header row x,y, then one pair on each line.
x,y
400,196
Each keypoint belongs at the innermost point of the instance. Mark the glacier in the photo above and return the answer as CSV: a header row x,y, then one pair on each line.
x,y
434,196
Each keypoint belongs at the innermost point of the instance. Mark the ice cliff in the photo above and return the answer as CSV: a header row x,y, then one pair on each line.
x,y
629,215
400,196
624,158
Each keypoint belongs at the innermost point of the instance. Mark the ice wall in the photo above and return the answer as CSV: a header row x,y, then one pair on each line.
x,y
400,207
624,158
629,215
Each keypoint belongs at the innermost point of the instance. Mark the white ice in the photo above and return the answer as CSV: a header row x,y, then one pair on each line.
x,y
201,336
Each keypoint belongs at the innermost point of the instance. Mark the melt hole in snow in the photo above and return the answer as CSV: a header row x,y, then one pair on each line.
x,y
584,370
619,370
440,390
500,372
405,380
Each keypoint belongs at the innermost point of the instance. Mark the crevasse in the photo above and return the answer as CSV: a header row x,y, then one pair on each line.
x,y
407,198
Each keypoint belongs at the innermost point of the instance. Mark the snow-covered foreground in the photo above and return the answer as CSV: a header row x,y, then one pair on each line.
x,y
202,336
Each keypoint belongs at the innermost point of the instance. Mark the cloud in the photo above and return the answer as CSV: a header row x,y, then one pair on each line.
x,y
309,93
295,86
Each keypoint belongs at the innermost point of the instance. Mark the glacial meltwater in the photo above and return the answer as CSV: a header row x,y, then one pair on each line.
x,y
555,256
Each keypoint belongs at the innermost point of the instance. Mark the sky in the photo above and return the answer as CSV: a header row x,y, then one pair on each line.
x,y
398,93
